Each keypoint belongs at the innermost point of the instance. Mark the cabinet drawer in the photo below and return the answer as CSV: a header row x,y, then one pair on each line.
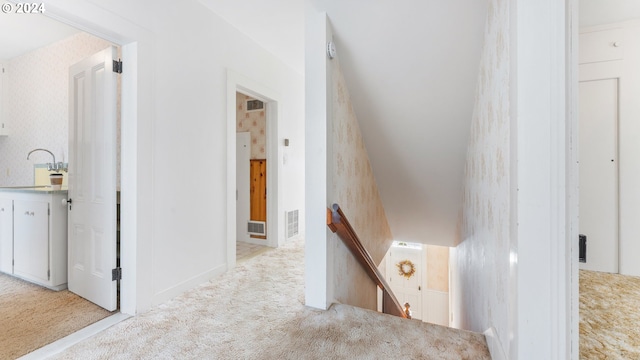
x,y
600,46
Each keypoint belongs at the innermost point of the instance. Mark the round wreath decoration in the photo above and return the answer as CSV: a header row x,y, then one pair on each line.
x,y
406,268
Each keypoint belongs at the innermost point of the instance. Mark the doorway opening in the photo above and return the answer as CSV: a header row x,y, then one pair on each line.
x,y
602,94
60,131
251,176
253,189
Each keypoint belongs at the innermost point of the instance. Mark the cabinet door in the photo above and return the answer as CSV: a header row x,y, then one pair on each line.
x,y
6,235
31,240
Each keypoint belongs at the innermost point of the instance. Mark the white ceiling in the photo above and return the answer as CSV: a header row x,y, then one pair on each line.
x,y
21,33
598,12
277,25
411,68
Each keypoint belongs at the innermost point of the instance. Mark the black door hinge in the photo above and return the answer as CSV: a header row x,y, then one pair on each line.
x,y
116,274
117,66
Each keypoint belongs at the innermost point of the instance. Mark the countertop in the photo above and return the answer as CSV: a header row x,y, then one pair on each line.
x,y
43,189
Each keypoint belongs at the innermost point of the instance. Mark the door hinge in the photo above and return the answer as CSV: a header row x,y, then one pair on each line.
x,y
117,66
48,274
116,274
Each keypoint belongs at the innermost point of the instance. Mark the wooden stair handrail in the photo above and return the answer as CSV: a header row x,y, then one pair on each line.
x,y
338,223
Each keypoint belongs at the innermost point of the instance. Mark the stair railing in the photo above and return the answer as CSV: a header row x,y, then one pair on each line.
x,y
338,223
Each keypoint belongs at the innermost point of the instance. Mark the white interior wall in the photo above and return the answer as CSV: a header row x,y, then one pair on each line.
x,y
628,135
318,273
38,81
480,275
174,144
518,289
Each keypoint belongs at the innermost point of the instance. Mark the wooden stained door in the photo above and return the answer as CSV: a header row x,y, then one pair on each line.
x,y
258,190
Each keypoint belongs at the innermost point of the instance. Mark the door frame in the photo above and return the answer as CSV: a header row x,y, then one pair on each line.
x,y
571,279
99,22
237,82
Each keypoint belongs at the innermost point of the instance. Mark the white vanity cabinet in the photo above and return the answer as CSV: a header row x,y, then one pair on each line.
x,y
38,236
6,234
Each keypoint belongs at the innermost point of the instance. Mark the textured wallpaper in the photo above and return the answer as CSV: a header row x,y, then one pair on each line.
x,y
354,188
481,271
437,268
37,106
254,122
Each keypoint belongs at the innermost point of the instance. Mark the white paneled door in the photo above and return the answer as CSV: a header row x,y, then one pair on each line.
x,y
404,271
243,156
92,178
598,165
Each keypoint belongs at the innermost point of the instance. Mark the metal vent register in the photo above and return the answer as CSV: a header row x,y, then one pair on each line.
x,y
292,223
257,228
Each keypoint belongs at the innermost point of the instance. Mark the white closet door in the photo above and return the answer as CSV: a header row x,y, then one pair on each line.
x,y
243,155
598,156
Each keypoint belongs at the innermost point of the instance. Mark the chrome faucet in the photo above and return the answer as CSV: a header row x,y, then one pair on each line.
x,y
55,166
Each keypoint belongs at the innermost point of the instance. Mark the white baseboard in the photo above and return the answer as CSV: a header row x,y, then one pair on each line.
x,y
254,241
495,346
66,342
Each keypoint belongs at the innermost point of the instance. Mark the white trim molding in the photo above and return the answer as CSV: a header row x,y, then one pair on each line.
x,y
542,327
494,344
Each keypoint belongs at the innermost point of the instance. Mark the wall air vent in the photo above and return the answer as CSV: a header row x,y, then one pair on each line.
x,y
254,105
257,228
292,223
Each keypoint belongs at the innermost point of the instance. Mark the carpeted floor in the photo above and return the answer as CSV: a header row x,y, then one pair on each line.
x,y
256,311
609,316
32,316
246,251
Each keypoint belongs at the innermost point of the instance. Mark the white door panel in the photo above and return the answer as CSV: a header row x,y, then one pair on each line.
x,y
598,166
406,290
92,178
243,156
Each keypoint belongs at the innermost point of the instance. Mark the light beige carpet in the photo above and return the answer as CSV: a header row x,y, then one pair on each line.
x,y
256,311
32,316
609,316
245,250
